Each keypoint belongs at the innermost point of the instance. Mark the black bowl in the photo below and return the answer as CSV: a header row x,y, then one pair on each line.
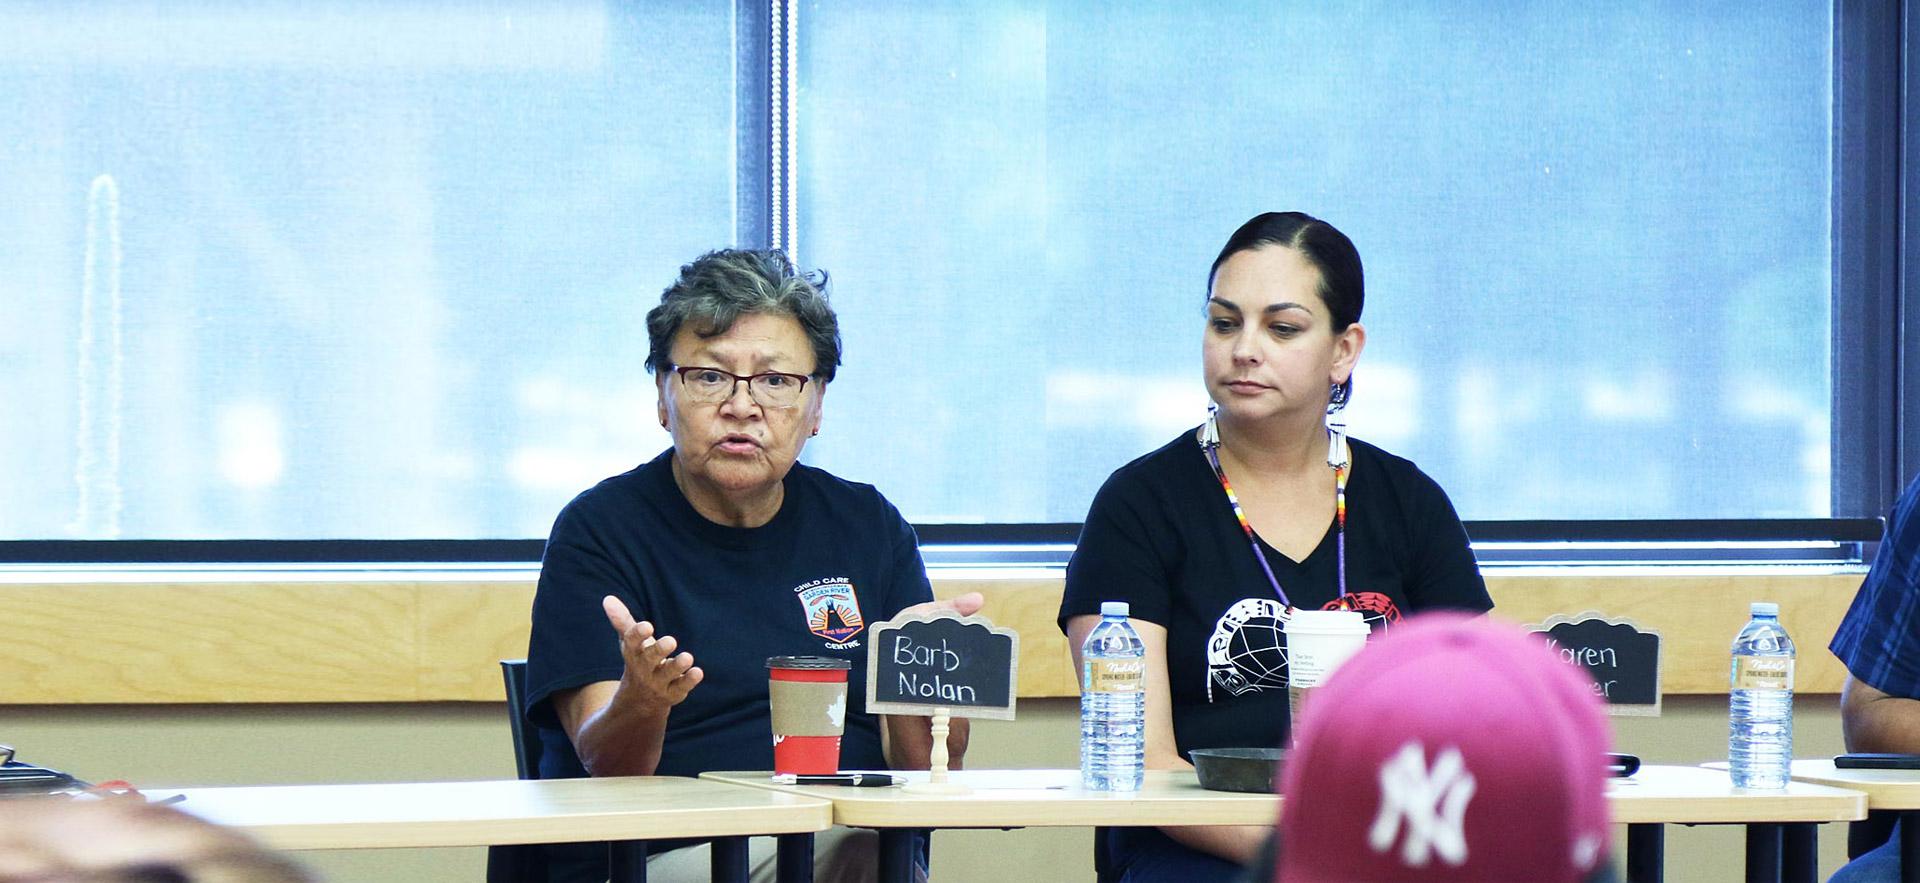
x,y
1238,769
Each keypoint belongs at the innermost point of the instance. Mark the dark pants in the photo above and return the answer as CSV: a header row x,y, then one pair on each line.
x,y
1878,865
1143,855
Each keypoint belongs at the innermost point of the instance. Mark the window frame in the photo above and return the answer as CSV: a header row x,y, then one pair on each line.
x,y
1876,449
1795,540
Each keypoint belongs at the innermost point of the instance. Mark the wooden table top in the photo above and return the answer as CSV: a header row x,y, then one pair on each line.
x,y
498,812
1030,798
1687,794
1036,798
1885,789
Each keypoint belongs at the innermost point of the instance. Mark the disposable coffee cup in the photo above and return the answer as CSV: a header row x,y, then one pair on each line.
x,y
1317,642
808,697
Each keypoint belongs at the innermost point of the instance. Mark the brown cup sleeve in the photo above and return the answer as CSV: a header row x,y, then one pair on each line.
x,y
808,708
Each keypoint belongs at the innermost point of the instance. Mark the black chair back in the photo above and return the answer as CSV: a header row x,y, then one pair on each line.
x,y
520,862
526,738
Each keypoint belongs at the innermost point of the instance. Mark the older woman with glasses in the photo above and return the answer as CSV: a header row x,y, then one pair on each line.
x,y
723,546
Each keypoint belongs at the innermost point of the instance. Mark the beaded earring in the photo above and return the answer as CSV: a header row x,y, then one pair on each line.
x,y
1337,396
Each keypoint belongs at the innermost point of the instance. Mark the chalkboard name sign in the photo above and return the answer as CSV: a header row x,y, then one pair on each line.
x,y
920,663
1622,659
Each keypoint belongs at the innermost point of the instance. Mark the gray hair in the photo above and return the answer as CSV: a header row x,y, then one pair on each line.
x,y
721,286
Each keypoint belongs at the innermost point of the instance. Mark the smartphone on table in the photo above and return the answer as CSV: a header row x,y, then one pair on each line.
x,y
1869,761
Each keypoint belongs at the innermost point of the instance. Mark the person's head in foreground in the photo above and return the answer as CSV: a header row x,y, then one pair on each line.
x,y
127,840
1453,748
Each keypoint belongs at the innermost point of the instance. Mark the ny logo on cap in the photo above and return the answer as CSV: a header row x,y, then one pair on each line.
x,y
1433,803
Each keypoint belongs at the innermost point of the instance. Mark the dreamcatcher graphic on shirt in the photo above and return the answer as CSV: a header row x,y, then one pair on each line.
x,y
1247,652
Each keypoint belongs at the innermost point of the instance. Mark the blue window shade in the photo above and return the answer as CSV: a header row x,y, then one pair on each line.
x,y
375,270
1597,240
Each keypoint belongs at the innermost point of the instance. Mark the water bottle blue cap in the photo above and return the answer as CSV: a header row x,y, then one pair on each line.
x,y
1764,608
1114,608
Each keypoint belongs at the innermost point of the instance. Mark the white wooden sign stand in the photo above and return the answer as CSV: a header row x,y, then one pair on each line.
x,y
936,782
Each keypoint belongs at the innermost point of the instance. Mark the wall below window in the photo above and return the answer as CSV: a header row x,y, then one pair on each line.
x,y
161,746
412,639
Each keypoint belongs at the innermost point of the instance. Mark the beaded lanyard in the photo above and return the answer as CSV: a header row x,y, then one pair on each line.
x,y
1210,444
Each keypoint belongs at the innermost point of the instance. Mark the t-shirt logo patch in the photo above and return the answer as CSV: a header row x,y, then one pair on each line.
x,y
832,610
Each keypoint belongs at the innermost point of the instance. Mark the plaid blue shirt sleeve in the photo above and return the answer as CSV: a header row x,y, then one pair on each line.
x,y
1879,640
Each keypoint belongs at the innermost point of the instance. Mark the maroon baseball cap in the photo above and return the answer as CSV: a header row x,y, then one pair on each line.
x,y
1453,748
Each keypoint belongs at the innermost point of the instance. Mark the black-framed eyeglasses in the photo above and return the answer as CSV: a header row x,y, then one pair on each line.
x,y
768,389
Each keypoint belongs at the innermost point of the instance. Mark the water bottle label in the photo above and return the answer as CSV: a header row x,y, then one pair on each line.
x,y
1762,673
1116,675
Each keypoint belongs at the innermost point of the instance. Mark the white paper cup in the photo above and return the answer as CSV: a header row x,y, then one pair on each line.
x,y
1317,642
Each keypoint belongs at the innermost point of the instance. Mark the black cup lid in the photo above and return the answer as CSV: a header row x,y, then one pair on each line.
x,y
809,663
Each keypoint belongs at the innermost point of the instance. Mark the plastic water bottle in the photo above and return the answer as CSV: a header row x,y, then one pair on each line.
x,y
1113,703
1760,699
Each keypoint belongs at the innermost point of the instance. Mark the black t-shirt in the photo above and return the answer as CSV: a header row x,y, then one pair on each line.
x,y
1162,537
836,557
